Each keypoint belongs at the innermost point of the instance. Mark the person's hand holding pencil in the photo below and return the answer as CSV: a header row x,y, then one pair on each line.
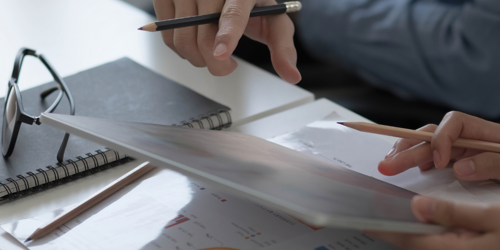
x,y
470,143
211,45
473,145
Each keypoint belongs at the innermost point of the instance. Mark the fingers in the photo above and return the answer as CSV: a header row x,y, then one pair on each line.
x,y
455,125
426,166
275,31
416,156
419,155
479,167
449,214
186,39
476,227
212,46
165,9
232,25
206,38
404,144
282,48
406,154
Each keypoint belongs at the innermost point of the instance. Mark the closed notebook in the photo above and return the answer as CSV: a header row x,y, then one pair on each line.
x,y
121,90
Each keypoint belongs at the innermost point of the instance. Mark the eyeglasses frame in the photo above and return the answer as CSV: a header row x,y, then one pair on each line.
x,y
22,116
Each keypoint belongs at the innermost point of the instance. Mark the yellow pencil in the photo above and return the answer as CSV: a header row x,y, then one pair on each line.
x,y
91,201
419,135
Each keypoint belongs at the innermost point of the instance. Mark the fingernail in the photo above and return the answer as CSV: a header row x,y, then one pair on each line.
x,y
424,207
437,158
465,167
220,49
391,153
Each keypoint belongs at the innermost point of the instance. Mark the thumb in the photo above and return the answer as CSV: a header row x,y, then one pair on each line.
x,y
232,24
449,214
479,167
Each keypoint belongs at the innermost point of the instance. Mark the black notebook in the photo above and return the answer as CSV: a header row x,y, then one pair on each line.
x,y
121,90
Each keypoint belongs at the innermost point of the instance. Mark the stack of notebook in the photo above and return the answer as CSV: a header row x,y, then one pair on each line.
x,y
120,90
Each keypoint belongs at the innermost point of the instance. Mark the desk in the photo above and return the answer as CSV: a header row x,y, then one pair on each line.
x,y
77,35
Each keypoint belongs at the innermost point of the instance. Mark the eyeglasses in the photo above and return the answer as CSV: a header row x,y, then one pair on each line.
x,y
13,113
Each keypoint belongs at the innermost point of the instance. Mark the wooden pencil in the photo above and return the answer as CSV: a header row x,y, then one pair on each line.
x,y
286,7
419,135
91,201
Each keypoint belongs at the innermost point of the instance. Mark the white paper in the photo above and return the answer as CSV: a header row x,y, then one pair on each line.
x,y
485,191
166,211
454,192
333,239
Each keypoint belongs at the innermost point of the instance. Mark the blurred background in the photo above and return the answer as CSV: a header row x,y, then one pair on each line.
x,y
331,81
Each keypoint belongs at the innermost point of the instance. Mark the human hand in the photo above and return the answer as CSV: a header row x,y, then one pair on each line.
x,y
473,227
211,45
470,165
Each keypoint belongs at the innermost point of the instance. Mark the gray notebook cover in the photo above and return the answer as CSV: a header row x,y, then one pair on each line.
x,y
119,90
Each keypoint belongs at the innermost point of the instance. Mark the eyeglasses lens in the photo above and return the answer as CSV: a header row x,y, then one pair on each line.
x,y
9,119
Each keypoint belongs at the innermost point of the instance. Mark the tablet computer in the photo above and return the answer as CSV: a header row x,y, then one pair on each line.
x,y
313,190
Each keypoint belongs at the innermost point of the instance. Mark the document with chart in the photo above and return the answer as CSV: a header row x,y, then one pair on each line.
x,y
166,210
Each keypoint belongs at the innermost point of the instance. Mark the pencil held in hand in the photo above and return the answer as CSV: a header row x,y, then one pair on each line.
x,y
419,135
287,7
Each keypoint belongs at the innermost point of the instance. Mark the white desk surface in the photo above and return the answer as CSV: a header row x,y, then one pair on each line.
x,y
77,35
298,117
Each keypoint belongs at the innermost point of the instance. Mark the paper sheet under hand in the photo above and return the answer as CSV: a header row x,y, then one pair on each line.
x,y
361,152
454,192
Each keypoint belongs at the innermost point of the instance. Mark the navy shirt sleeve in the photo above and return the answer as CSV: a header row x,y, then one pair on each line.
x,y
442,51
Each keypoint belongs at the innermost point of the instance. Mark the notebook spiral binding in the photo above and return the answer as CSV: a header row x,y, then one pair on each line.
x,y
213,121
64,172
101,160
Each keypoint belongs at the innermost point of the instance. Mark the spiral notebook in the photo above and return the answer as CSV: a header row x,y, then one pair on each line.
x,y
121,90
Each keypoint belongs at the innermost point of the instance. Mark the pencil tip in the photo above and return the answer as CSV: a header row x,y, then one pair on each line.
x,y
139,28
341,123
27,240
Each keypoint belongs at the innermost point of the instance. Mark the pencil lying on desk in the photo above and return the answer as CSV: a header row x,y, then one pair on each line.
x,y
419,135
90,202
286,7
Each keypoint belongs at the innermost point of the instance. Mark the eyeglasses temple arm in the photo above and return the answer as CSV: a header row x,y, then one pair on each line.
x,y
64,88
47,92
60,153
19,62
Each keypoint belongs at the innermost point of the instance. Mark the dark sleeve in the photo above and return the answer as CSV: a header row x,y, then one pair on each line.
x,y
446,52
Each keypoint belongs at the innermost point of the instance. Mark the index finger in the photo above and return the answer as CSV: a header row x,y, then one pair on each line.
x,y
459,125
404,144
232,25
